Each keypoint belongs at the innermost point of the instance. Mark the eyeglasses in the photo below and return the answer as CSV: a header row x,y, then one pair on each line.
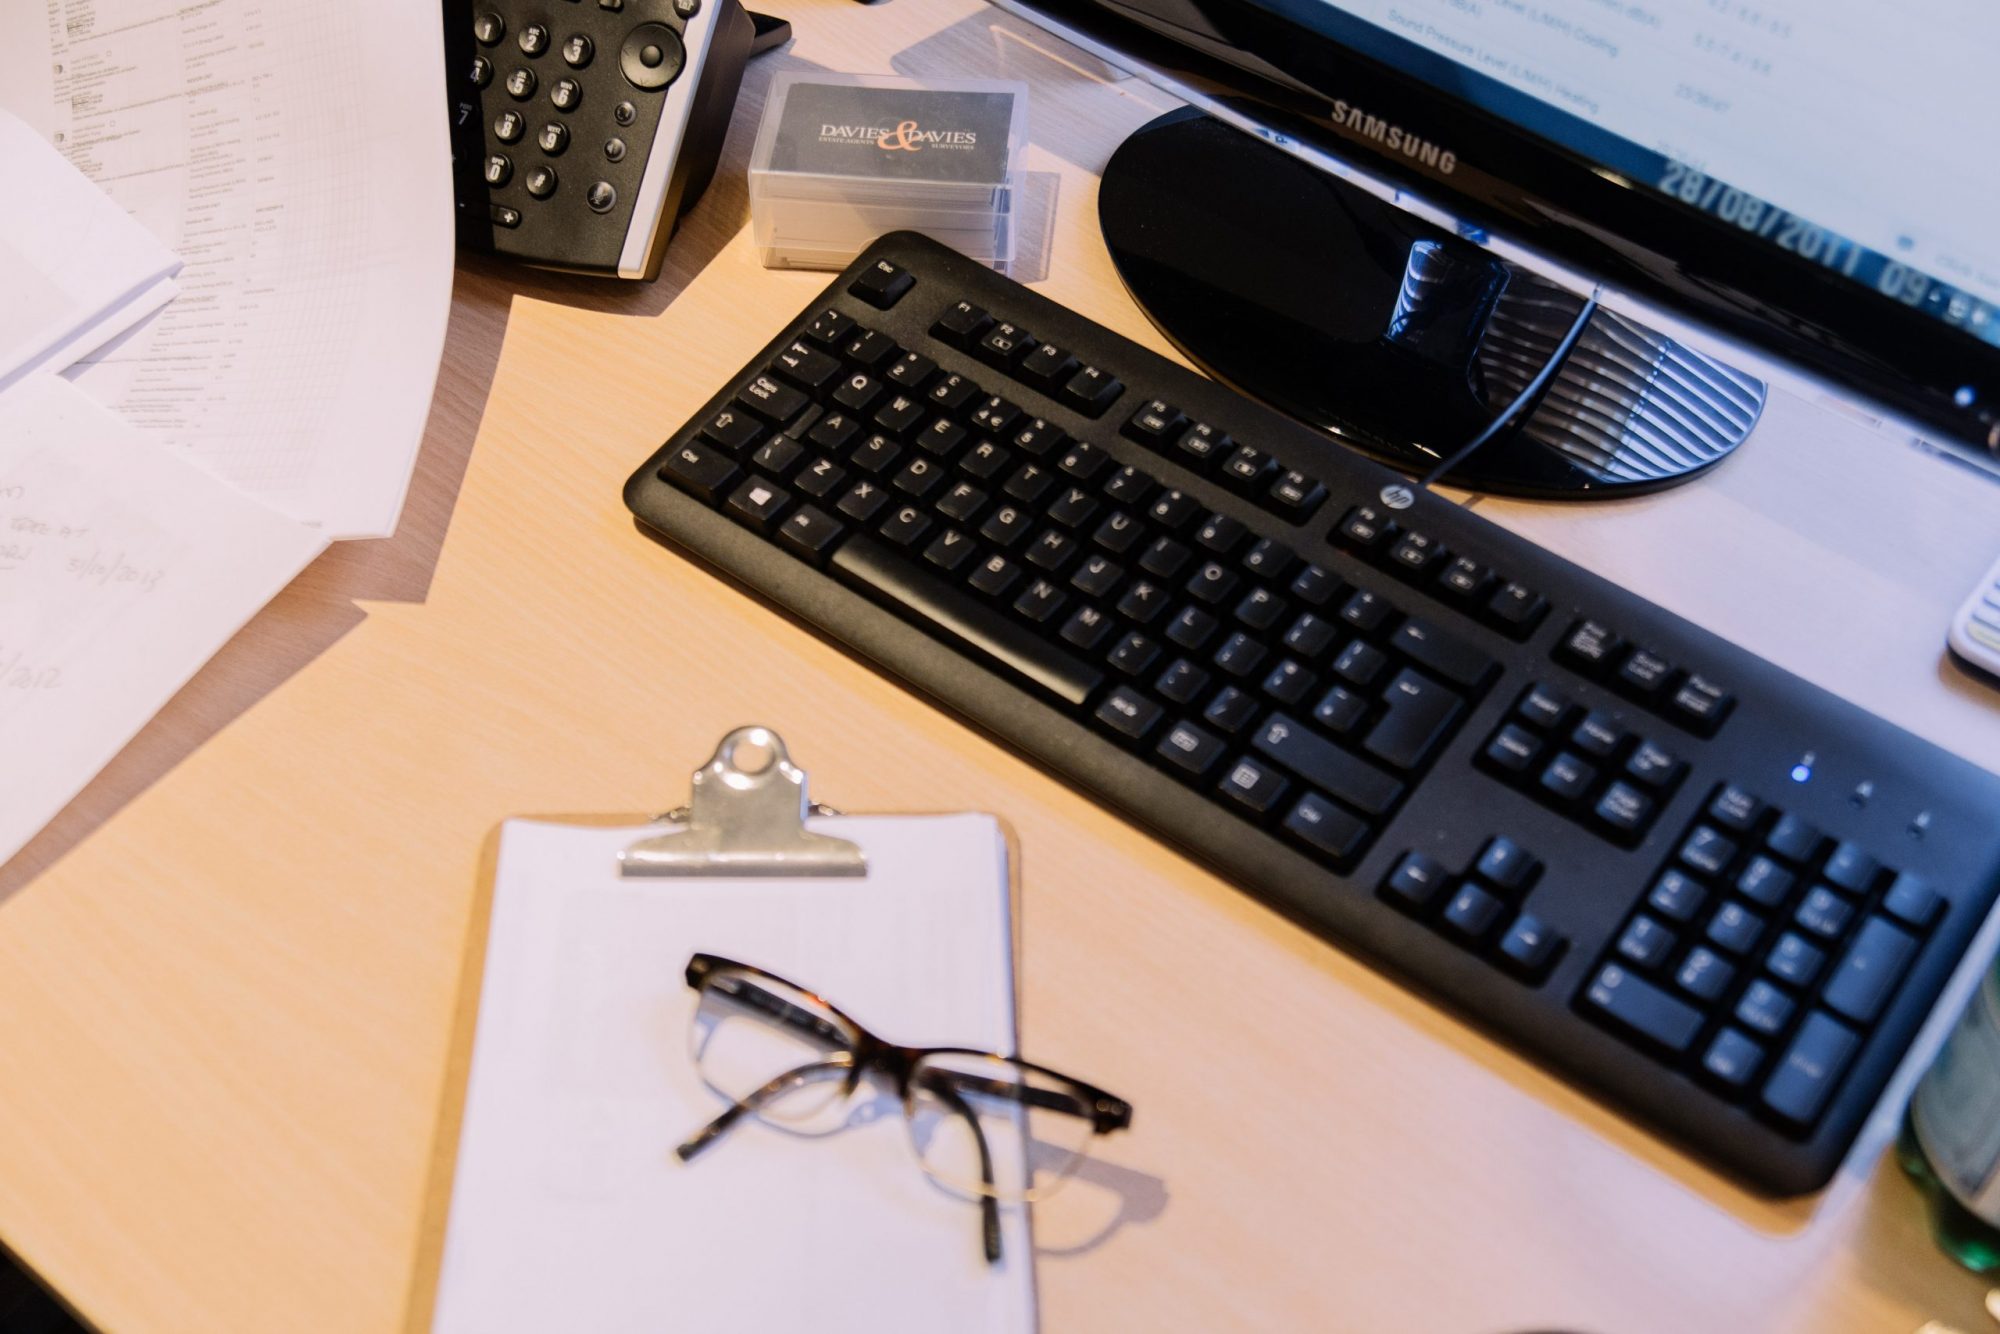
x,y
987,1127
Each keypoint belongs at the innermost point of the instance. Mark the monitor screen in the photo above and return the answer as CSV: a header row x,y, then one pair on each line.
x,y
1840,132
1816,179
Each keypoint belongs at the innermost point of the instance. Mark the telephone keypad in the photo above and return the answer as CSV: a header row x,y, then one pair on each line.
x,y
540,80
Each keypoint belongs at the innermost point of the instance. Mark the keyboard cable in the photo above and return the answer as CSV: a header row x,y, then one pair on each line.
x,y
1398,496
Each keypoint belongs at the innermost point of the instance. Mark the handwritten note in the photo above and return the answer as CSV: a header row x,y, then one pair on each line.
x,y
123,567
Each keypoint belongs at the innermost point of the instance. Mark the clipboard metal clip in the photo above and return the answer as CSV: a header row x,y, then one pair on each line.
x,y
745,822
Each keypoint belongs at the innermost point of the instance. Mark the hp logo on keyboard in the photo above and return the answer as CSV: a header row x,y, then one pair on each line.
x,y
1398,497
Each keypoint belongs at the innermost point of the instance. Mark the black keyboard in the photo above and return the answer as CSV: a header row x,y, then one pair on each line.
x,y
1714,894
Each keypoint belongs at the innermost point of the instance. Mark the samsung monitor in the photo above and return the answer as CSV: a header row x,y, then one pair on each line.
x,y
1812,182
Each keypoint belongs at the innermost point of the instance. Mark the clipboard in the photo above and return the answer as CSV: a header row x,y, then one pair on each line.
x,y
556,1199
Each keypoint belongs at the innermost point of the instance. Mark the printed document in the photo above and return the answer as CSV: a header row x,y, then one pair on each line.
x,y
75,270
297,158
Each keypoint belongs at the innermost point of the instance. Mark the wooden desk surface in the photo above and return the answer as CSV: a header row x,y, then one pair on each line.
x,y
228,970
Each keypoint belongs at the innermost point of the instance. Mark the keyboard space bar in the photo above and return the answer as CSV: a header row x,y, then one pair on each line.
x,y
926,598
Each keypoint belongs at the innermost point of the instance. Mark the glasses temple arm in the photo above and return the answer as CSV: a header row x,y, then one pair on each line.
x,y
749,1104
1030,1096
989,1206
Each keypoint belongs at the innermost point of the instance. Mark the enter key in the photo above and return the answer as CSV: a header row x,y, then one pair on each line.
x,y
1420,715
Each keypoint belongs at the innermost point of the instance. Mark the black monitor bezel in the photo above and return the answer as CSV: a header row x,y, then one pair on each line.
x,y
1548,199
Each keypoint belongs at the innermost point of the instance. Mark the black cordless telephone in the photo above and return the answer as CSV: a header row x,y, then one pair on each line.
x,y
583,129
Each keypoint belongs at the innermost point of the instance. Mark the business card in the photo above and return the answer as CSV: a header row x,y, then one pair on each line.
x,y
894,134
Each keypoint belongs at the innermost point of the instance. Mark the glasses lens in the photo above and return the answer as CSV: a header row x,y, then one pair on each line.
x,y
756,1036
984,1125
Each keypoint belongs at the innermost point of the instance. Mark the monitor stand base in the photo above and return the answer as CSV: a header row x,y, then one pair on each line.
x,y
1392,335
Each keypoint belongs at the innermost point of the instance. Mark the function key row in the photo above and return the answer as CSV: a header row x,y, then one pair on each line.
x,y
1480,906
1762,953
1686,698
1455,580
1047,368
1204,450
1583,763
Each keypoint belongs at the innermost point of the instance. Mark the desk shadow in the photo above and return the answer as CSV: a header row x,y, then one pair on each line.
x,y
1134,1197
1114,1197
295,628
319,607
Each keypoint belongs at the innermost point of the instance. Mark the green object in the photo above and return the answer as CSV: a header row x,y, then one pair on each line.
x,y
1950,1144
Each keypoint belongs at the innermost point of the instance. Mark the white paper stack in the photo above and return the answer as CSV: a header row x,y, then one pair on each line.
x,y
169,462
75,270
841,159
299,362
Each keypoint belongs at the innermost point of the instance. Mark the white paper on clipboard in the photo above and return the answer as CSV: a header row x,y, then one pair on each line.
x,y
568,1207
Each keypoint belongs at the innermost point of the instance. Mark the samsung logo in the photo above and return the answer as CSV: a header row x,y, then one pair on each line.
x,y
1394,138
